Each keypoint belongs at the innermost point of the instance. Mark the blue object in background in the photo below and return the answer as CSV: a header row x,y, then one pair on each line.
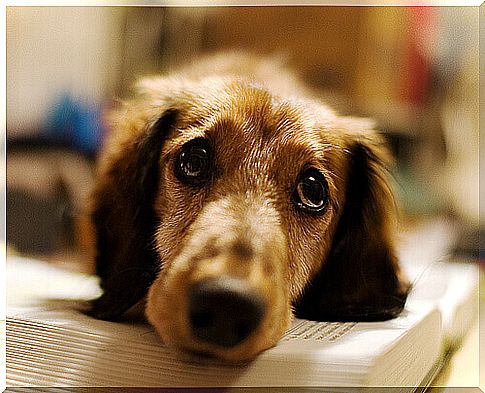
x,y
75,123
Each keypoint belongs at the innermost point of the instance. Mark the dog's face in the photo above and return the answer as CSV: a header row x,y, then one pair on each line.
x,y
233,209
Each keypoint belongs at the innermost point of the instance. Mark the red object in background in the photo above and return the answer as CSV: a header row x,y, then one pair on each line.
x,y
416,80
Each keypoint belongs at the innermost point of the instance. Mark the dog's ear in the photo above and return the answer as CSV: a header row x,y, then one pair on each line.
x,y
124,220
360,279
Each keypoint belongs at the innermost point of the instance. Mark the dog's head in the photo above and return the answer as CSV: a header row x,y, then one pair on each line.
x,y
232,209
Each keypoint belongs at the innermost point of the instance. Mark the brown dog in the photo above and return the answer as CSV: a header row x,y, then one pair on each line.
x,y
232,200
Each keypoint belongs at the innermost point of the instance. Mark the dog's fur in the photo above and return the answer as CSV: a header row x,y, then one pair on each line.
x,y
157,237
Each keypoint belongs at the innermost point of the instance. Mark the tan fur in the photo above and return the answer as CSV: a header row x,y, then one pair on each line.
x,y
264,132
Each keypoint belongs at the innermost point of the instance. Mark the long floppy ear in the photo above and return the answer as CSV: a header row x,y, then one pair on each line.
x,y
360,279
125,222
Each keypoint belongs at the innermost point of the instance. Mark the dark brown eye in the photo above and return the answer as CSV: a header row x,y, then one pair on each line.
x,y
193,164
311,192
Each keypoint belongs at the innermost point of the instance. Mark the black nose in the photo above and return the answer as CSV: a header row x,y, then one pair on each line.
x,y
224,311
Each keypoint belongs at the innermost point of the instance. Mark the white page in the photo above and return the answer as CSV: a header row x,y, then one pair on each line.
x,y
130,354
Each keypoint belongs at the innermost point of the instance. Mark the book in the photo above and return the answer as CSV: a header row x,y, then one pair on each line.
x,y
50,342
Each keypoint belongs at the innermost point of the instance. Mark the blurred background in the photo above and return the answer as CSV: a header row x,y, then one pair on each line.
x,y
413,69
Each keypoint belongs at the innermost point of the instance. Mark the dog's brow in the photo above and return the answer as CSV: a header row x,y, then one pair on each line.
x,y
223,123
303,146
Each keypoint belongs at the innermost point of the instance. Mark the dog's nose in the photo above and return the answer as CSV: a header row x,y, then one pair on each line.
x,y
224,311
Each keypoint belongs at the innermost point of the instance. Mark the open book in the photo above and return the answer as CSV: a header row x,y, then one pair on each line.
x,y
50,343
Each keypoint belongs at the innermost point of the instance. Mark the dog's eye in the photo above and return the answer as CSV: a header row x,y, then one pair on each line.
x,y
311,192
193,164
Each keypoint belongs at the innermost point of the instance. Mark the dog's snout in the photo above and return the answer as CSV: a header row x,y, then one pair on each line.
x,y
224,311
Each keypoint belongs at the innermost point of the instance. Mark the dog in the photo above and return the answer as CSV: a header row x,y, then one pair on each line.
x,y
230,199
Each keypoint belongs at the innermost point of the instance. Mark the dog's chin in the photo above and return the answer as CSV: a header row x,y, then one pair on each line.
x,y
171,321
197,350
240,354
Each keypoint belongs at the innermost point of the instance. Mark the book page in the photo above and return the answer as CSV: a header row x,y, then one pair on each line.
x,y
50,294
50,342
318,331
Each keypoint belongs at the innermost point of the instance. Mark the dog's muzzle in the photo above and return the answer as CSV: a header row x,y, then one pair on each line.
x,y
224,311
226,292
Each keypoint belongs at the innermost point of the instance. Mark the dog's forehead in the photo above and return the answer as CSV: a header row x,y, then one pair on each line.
x,y
248,114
